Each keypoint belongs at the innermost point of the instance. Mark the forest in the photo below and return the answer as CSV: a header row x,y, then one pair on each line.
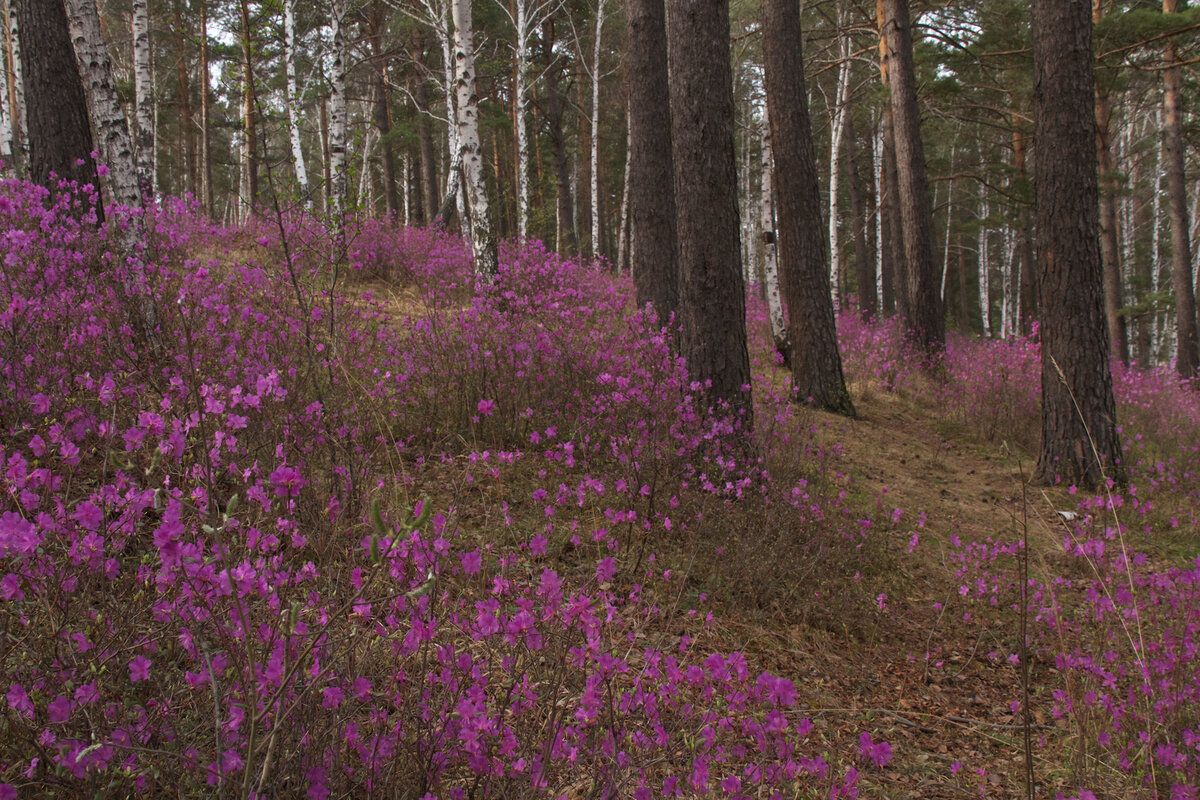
x,y
447,399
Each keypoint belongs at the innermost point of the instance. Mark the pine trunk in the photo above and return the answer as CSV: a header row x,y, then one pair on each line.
x,y
383,114
651,182
925,320
1079,426
1187,357
206,191
864,262
1110,255
712,291
804,274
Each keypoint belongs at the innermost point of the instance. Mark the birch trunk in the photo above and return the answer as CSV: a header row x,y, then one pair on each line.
x,y
249,182
337,116
16,91
143,90
1155,240
623,238
949,219
779,331
520,91
7,149
597,249
293,112
835,160
985,289
482,242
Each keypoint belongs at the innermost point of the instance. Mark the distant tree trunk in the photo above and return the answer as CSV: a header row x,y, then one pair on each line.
x,y
895,251
290,100
1110,254
964,313
985,284
143,90
565,210
1029,305
623,237
816,363
651,176
712,291
429,183
483,243
383,114
596,242
206,190
1187,357
60,135
186,121
249,128
925,317
837,134
1079,426
779,331
339,190
864,263
887,243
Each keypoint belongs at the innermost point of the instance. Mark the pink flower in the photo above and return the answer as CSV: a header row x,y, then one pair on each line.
x,y
59,709
139,669
486,407
472,562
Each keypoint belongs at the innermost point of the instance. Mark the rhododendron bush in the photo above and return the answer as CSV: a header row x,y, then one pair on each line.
x,y
223,568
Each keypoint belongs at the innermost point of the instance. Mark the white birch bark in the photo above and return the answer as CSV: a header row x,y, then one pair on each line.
x,y
985,289
291,99
484,246
595,155
6,118
623,244
18,78
1008,303
766,205
877,167
337,114
949,220
1155,247
143,91
365,200
835,153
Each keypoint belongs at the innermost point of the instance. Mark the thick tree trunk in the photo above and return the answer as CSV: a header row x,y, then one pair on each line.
x,y
925,320
291,100
483,243
60,134
337,116
651,182
864,262
566,240
143,91
1079,426
816,363
712,291
1187,357
779,331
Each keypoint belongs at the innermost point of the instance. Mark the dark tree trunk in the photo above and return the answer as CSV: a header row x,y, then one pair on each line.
x,y
420,93
803,269
60,133
864,262
186,132
562,169
1028,275
651,179
1110,253
206,187
712,300
1187,359
964,308
894,268
925,319
382,113
1078,411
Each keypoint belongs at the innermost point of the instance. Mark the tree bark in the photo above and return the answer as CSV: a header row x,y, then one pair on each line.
x,y
487,265
1110,254
1027,265
925,320
337,116
835,165
60,134
779,331
1079,431
804,274
712,292
383,114
864,262
566,240
290,100
597,243
143,90
16,83
651,176
206,191
1187,356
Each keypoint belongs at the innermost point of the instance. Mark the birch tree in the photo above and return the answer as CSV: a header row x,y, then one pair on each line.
x,y
17,86
835,160
766,206
143,89
595,154
337,114
483,243
291,99
7,144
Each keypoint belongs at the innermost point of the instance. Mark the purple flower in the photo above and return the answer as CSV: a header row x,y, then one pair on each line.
x,y
59,709
472,562
288,481
139,669
486,407
606,570
17,535
878,753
